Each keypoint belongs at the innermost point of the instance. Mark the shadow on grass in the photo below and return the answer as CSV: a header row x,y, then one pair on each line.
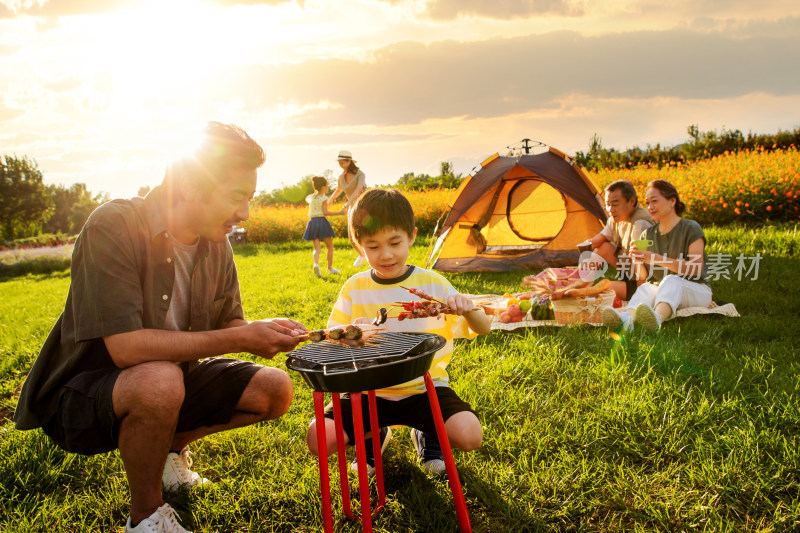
x,y
425,503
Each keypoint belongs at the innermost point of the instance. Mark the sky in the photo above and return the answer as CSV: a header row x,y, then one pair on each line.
x,y
108,92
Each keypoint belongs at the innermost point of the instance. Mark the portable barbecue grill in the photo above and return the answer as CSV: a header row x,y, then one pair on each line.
x,y
389,359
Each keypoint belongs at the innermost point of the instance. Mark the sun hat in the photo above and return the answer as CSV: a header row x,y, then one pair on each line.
x,y
344,154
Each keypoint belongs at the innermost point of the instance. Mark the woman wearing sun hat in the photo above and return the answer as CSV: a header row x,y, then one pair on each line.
x,y
352,183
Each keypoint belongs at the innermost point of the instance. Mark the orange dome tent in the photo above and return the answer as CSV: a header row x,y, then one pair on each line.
x,y
523,212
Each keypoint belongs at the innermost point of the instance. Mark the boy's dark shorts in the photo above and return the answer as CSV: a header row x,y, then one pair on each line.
x,y
85,421
414,411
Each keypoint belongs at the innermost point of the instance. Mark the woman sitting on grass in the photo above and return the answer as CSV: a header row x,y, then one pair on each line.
x,y
673,263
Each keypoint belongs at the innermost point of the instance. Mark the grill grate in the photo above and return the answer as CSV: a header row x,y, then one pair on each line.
x,y
333,357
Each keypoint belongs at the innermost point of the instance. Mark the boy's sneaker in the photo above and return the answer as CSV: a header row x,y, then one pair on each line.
x,y
359,261
428,452
646,317
177,474
164,520
386,436
317,272
332,270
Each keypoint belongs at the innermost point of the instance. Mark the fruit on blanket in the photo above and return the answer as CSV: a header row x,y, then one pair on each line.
x,y
526,296
514,310
540,308
505,318
524,305
617,303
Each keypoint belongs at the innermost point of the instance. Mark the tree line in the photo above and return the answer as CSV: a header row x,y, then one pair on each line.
x,y
701,145
28,207
296,193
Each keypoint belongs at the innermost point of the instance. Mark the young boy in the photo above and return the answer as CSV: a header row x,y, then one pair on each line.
x,y
381,223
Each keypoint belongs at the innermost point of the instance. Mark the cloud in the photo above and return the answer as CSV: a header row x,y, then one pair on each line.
x,y
8,113
410,82
301,3
351,138
56,8
501,9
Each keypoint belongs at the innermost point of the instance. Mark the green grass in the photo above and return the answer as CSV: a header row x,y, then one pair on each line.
x,y
692,429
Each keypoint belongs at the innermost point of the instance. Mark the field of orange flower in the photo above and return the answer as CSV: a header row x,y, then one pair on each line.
x,y
288,222
750,187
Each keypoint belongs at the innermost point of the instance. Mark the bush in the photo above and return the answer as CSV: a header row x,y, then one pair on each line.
x,y
35,260
287,222
747,186
40,241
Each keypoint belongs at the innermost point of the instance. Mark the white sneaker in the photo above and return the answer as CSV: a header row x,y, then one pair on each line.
x,y
359,261
646,317
164,520
612,319
333,271
317,272
177,474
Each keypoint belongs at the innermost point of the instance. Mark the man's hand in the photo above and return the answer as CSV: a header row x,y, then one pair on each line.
x,y
266,338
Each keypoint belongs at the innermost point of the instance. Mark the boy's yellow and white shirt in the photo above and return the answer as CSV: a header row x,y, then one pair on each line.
x,y
364,294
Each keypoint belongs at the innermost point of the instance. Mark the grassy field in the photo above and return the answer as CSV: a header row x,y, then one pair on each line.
x,y
691,429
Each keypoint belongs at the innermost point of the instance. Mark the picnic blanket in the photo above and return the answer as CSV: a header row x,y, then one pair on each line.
x,y
727,309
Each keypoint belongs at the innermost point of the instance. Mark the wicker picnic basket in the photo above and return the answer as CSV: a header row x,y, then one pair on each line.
x,y
582,310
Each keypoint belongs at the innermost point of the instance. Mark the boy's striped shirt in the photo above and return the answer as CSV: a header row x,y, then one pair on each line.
x,y
364,294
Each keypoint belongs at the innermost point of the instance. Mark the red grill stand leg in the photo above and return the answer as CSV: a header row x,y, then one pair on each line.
x,y
322,447
376,450
449,462
344,483
363,477
342,459
361,455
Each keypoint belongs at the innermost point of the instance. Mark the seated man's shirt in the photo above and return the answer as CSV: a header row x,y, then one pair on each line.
x,y
622,233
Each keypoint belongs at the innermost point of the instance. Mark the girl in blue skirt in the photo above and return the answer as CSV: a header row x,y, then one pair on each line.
x,y
318,227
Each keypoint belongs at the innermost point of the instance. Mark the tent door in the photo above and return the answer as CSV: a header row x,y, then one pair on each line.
x,y
527,215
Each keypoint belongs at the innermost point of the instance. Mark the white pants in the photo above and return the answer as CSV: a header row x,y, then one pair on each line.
x,y
673,291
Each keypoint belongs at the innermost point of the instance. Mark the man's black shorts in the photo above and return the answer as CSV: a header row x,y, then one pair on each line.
x,y
414,411
85,421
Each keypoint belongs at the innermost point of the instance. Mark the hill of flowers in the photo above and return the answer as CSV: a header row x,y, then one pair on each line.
x,y
748,186
283,223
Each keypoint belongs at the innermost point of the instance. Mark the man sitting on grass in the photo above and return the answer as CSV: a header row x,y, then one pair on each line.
x,y
154,290
626,222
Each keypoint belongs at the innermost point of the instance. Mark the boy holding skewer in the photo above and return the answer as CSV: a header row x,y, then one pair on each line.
x,y
381,222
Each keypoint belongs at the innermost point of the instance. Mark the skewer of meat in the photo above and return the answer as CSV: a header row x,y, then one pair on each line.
x,y
351,332
422,294
429,307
